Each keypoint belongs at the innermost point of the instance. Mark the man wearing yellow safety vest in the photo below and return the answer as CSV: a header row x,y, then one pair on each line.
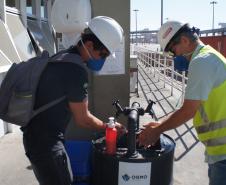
x,y
205,97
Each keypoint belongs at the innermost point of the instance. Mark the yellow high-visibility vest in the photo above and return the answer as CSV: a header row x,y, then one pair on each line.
x,y
210,119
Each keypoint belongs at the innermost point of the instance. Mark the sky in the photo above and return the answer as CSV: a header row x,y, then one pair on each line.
x,y
198,13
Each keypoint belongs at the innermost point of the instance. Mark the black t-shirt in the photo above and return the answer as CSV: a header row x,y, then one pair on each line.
x,y
45,132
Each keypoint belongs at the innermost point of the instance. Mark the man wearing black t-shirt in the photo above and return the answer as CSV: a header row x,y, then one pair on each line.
x,y
44,136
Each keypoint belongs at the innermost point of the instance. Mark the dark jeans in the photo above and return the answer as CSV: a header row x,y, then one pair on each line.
x,y
52,168
217,173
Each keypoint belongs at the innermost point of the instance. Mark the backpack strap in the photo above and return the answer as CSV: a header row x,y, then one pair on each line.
x,y
48,105
62,56
66,56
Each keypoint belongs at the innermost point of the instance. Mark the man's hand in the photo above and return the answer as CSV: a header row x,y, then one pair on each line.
x,y
149,135
121,130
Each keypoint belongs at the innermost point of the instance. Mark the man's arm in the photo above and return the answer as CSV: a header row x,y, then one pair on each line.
x,y
152,131
185,113
84,118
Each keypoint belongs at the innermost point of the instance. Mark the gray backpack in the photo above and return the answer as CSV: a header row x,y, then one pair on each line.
x,y
18,89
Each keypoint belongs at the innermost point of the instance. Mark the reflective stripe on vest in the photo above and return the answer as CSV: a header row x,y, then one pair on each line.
x,y
210,119
211,126
212,134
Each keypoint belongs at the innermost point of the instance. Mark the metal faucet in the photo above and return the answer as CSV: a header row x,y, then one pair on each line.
x,y
134,112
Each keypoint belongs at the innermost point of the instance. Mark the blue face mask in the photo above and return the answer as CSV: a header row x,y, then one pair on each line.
x,y
95,64
181,63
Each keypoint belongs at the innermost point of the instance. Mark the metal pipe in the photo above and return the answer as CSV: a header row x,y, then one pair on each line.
x,y
133,120
136,10
161,12
213,3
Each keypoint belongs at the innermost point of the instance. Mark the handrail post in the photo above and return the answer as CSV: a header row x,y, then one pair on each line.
x,y
164,82
154,64
172,77
159,66
183,84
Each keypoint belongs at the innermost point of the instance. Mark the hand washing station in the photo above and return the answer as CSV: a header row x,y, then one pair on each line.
x,y
132,164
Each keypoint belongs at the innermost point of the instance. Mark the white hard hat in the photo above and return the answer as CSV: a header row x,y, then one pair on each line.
x,y
108,31
167,31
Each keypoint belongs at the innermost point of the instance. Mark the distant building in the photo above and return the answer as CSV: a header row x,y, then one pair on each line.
x,y
149,37
143,36
222,25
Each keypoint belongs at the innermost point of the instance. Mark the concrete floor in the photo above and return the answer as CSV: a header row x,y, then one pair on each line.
x,y
189,166
14,166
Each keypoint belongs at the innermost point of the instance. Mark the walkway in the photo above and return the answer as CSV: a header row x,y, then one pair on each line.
x,y
14,166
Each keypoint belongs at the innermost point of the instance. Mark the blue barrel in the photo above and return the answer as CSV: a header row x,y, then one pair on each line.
x,y
79,153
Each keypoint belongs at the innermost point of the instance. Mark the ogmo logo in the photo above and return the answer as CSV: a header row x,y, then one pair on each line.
x,y
126,177
139,177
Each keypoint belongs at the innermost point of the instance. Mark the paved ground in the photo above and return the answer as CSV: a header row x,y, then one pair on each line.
x,y
189,168
14,166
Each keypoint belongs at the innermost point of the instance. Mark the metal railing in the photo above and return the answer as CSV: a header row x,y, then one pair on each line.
x,y
162,67
154,67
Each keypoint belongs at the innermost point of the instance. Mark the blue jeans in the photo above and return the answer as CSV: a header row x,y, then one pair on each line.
x,y
217,173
